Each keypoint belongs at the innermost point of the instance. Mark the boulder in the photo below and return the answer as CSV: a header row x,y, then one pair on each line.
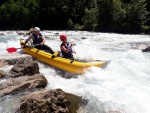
x,y
3,63
19,60
54,101
2,74
12,86
29,68
11,59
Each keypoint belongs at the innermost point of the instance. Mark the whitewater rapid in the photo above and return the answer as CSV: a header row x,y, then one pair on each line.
x,y
123,87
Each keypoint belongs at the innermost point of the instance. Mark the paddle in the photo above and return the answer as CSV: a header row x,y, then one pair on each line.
x,y
13,49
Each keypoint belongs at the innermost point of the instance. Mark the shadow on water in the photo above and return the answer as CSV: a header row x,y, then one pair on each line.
x,y
66,74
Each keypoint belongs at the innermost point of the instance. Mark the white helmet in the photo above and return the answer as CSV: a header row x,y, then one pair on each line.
x,y
36,29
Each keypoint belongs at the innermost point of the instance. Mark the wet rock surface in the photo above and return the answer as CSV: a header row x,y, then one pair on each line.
x,y
29,68
54,101
10,60
147,49
2,74
25,77
13,86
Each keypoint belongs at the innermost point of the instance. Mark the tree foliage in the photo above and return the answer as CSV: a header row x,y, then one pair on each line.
x,y
136,15
129,16
111,15
90,19
118,16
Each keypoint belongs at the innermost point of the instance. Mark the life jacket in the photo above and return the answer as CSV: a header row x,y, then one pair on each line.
x,y
66,55
37,40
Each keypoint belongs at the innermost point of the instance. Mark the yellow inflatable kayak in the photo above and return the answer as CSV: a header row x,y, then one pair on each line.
x,y
73,66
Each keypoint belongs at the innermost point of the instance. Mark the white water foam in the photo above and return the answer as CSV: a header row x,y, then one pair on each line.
x,y
122,87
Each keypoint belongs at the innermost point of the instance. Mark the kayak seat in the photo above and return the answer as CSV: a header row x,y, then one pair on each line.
x,y
56,54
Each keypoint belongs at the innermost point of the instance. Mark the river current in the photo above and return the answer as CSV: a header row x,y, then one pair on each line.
x,y
123,87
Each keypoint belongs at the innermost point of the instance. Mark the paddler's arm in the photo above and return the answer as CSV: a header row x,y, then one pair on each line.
x,y
23,44
27,40
65,50
42,42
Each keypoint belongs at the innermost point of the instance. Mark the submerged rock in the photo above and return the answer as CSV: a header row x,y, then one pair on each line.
x,y
2,34
146,49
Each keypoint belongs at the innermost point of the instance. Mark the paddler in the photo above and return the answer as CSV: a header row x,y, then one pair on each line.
x,y
38,41
66,48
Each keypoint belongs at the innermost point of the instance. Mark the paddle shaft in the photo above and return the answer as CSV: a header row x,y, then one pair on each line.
x,y
33,46
73,48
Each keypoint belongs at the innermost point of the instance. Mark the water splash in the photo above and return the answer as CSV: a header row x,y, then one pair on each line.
x,y
122,87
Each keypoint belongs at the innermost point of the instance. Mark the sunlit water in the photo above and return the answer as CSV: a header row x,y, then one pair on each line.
x,y
123,87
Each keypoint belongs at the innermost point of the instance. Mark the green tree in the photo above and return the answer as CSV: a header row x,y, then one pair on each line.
x,y
90,19
100,15
70,24
111,15
54,14
18,14
148,9
9,13
136,16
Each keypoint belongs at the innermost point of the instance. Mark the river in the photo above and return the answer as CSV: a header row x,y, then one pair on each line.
x,y
123,87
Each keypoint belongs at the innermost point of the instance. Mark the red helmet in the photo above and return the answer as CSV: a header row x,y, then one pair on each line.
x,y
62,37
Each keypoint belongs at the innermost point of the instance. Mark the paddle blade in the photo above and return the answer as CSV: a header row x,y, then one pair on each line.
x,y
11,49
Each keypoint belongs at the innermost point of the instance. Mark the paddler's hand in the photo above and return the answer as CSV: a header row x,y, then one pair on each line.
x,y
72,44
41,44
74,52
22,45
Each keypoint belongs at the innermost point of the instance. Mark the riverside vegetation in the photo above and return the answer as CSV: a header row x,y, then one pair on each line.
x,y
121,16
